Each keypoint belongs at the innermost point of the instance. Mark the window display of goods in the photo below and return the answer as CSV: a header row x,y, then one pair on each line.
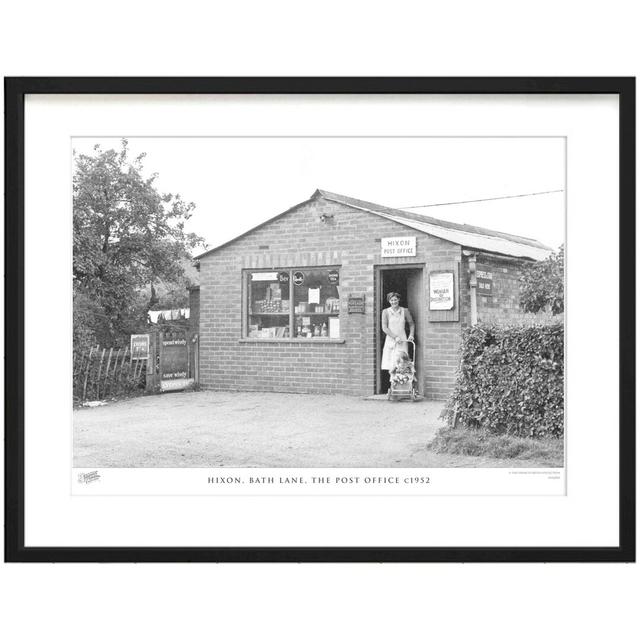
x,y
332,305
269,306
305,309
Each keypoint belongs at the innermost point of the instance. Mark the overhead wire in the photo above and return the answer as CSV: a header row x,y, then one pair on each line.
x,y
518,195
443,204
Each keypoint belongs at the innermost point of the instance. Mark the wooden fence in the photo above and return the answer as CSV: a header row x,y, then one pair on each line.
x,y
107,373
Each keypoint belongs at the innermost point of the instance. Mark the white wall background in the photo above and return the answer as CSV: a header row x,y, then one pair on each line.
x,y
331,38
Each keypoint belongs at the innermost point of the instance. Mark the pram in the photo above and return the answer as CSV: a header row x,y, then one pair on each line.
x,y
404,385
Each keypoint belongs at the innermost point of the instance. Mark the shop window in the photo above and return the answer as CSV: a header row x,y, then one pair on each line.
x,y
316,299
269,304
294,303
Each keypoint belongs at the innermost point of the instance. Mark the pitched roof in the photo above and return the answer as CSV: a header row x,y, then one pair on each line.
x,y
462,234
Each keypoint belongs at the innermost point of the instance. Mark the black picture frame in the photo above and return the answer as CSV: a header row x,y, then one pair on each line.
x,y
15,91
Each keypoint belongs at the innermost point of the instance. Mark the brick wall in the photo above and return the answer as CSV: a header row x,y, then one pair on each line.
x,y
298,238
441,358
503,306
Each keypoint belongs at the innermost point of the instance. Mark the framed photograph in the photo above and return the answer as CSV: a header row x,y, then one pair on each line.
x,y
320,319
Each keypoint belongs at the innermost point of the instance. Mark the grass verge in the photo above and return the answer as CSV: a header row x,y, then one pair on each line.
x,y
475,442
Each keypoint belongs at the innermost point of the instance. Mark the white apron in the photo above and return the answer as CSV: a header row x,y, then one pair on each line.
x,y
396,323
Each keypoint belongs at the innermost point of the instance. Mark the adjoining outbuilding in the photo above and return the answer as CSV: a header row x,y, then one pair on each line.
x,y
294,304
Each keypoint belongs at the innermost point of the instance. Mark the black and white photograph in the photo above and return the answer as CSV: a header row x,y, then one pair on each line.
x,y
310,302
286,325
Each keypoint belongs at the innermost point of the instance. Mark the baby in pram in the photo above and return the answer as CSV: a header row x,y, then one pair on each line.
x,y
403,370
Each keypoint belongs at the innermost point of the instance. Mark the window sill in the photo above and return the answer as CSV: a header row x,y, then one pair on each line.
x,y
294,340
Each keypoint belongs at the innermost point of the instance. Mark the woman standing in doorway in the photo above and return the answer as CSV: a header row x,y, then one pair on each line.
x,y
394,318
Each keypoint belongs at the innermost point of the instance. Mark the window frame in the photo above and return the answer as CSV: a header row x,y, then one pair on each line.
x,y
246,305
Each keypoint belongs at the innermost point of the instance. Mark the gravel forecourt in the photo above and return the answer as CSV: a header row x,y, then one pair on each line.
x,y
224,429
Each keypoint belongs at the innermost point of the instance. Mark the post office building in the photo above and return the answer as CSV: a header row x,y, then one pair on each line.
x,y
295,304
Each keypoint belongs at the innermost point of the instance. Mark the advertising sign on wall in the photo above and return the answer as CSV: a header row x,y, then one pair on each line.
x,y
356,303
485,280
441,291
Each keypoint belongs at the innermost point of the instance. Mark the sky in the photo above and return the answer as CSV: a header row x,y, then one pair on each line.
x,y
236,183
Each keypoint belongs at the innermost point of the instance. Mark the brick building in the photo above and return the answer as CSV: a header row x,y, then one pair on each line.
x,y
294,304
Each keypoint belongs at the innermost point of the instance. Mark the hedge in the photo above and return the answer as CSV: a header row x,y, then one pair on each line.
x,y
511,381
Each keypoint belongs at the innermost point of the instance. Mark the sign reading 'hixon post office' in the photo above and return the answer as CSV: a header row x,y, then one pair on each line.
x,y
395,247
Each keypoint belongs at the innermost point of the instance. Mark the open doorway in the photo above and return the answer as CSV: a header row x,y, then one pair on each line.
x,y
409,283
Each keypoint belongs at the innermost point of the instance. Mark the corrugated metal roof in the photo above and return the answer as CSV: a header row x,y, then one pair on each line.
x,y
466,235
491,244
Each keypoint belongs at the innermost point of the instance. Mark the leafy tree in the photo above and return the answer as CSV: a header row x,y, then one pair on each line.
x,y
174,294
542,285
127,238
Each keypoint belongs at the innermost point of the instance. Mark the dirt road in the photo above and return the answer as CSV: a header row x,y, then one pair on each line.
x,y
212,429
